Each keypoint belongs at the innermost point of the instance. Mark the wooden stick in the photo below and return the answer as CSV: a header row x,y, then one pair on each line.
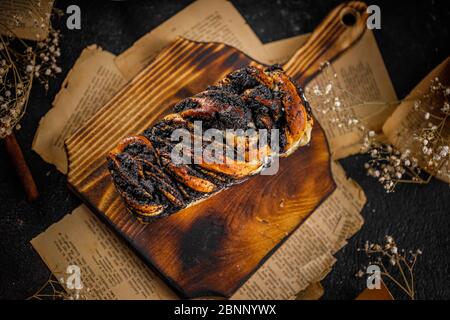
x,y
16,156
332,37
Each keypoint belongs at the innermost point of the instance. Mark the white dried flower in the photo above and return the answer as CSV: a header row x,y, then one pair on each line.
x,y
360,274
337,102
395,263
316,90
444,151
446,107
25,60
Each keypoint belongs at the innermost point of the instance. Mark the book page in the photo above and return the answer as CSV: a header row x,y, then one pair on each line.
x,y
101,74
111,270
313,292
279,52
331,227
26,19
203,20
93,80
402,126
361,77
321,235
307,255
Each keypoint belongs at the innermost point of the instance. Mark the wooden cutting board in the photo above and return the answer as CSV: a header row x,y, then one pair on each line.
x,y
213,247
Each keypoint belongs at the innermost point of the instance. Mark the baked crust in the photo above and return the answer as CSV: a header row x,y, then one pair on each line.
x,y
256,98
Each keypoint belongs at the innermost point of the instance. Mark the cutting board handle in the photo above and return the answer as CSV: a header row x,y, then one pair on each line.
x,y
335,34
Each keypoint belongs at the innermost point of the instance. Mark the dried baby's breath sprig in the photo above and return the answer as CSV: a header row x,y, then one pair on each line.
x,y
431,144
331,106
53,289
22,62
389,165
396,265
433,137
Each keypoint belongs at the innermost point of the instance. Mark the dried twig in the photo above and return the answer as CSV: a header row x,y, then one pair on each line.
x,y
396,265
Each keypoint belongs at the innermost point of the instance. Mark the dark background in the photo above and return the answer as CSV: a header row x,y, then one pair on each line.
x,y
414,39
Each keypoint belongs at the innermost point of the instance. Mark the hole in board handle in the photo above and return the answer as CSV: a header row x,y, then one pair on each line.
x,y
349,16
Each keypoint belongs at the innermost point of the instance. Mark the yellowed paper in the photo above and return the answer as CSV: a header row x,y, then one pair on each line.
x,y
313,292
308,253
54,258
361,72
93,80
109,269
104,74
306,257
402,126
27,19
282,50
203,20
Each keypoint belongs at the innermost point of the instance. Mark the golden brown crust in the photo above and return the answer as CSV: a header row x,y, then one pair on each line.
x,y
181,173
250,98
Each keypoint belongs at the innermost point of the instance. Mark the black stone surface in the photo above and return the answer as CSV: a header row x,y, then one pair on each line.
x,y
414,38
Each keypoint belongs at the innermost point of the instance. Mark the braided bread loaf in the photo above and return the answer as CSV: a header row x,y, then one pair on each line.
x,y
153,185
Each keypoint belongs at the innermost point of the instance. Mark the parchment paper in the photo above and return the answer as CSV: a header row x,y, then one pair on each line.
x,y
110,269
404,122
106,262
27,19
100,74
361,72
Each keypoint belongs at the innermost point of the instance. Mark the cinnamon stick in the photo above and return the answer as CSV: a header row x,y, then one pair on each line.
x,y
16,156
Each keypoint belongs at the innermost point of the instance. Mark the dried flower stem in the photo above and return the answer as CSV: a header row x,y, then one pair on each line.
x,y
53,289
22,62
400,262
57,292
387,164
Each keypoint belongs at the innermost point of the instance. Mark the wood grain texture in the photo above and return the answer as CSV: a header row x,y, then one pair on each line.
x,y
214,246
340,29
